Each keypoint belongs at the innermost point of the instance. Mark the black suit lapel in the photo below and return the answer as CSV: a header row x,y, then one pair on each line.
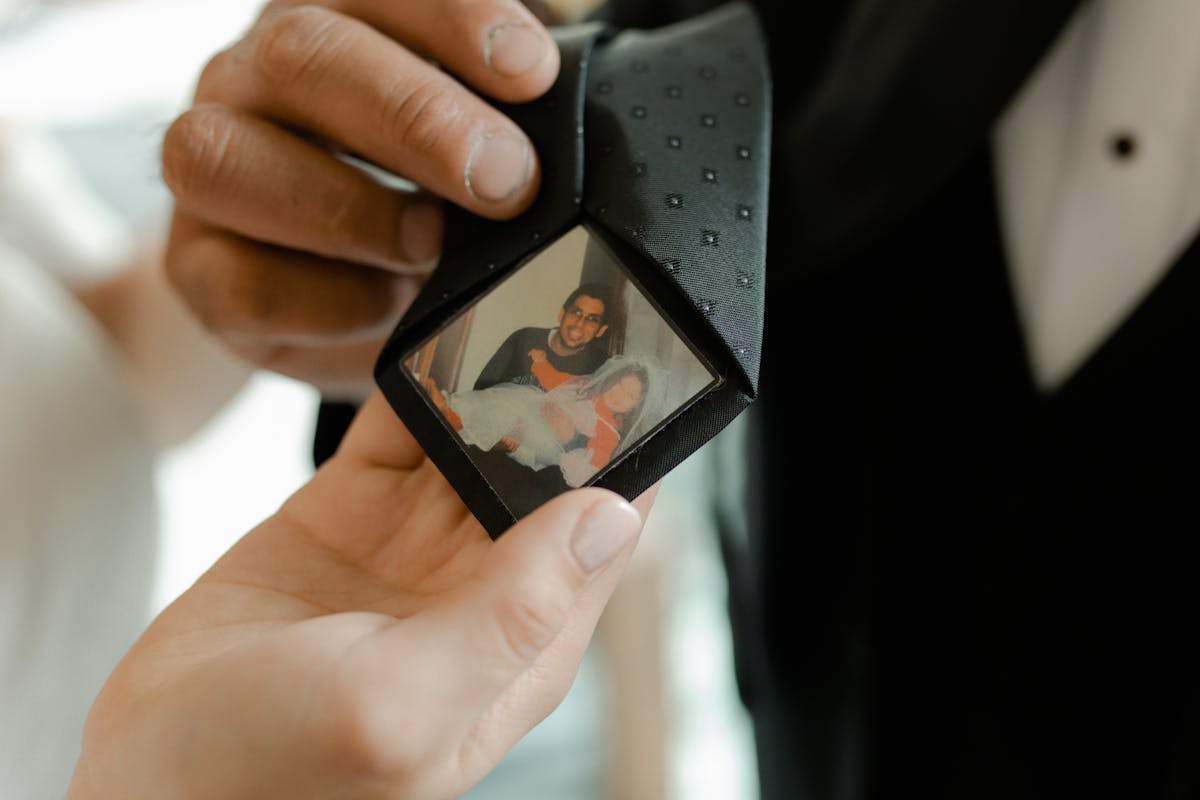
x,y
909,90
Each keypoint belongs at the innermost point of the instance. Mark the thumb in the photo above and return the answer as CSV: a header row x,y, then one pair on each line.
x,y
551,572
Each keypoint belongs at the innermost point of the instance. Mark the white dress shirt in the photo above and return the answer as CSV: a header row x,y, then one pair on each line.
x,y
1098,171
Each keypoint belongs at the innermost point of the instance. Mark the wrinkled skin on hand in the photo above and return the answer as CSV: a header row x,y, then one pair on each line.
x,y
285,249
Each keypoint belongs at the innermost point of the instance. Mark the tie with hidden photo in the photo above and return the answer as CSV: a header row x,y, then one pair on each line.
x,y
656,143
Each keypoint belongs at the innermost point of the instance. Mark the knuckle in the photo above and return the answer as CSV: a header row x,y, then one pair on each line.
x,y
230,294
354,743
361,737
204,304
368,232
180,240
196,151
528,624
349,227
266,356
250,305
210,305
419,115
296,43
216,72
197,268
228,297
177,264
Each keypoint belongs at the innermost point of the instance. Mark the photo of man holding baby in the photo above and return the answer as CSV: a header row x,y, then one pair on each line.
x,y
549,408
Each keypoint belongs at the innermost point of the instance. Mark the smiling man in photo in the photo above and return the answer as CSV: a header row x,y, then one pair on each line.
x,y
576,346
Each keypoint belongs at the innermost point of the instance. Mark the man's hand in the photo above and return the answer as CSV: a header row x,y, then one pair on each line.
x,y
537,356
298,260
369,640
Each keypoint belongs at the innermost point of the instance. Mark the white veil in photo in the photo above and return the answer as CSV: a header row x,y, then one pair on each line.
x,y
558,427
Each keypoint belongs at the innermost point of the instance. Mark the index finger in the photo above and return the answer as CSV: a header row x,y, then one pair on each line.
x,y
335,76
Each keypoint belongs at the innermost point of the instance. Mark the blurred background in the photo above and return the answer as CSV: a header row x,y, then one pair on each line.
x,y
654,712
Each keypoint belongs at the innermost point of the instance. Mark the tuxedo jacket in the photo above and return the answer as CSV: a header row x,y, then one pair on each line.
x,y
948,584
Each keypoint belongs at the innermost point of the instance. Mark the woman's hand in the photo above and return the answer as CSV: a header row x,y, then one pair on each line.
x,y
369,640
298,260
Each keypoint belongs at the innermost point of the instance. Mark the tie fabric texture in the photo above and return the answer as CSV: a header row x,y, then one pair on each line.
x,y
658,142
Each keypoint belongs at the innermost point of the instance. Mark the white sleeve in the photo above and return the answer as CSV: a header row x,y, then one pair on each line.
x,y
77,524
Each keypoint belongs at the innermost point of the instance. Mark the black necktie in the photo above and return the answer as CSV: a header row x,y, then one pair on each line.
x,y
658,141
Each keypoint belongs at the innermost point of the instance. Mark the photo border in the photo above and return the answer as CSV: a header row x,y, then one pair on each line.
x,y
716,378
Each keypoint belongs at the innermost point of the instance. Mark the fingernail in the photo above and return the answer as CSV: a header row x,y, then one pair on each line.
x,y
498,167
421,232
602,532
513,48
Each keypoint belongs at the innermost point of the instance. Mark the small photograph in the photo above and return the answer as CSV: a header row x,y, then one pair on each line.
x,y
556,372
